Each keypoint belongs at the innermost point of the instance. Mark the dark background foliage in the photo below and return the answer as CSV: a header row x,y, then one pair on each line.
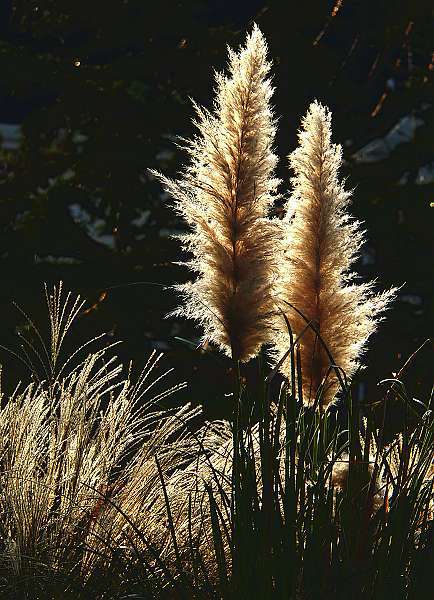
x,y
93,93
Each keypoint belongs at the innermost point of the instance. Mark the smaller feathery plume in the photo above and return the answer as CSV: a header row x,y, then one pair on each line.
x,y
224,195
321,243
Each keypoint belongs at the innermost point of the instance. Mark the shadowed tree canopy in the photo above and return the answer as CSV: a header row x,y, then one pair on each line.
x,y
92,95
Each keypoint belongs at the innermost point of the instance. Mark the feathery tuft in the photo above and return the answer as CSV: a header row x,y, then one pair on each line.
x,y
224,195
321,243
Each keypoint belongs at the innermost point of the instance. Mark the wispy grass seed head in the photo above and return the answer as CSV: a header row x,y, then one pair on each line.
x,y
322,241
224,195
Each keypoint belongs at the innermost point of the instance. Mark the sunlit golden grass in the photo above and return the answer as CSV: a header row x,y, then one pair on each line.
x,y
106,494
103,493
77,453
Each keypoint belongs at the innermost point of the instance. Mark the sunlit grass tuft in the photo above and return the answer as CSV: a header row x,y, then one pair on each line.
x,y
78,472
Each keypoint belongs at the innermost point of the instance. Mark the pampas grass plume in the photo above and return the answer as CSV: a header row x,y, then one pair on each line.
x,y
224,195
321,243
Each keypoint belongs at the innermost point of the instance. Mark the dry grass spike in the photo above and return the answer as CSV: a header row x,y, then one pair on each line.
x,y
225,195
321,243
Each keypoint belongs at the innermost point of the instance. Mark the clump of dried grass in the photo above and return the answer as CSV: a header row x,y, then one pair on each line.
x,y
321,244
225,195
78,471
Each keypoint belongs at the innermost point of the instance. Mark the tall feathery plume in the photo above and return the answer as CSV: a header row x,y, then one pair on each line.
x,y
321,244
224,195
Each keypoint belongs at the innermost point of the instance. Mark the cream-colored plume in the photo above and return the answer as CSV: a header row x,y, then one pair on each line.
x,y
321,244
224,195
